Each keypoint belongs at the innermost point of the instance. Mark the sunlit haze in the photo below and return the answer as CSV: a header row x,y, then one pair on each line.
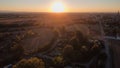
x,y
60,5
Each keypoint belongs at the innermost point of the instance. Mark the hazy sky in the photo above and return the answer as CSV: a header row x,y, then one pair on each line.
x,y
71,5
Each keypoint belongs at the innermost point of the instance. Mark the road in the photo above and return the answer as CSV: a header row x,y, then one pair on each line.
x,y
107,50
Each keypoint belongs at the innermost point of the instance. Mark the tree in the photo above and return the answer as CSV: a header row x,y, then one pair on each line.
x,y
81,49
78,40
58,62
68,53
30,63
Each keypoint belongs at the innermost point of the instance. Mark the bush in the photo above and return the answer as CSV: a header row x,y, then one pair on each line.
x,y
30,63
58,62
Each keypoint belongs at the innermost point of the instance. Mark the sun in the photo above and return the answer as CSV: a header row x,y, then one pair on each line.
x,y
58,7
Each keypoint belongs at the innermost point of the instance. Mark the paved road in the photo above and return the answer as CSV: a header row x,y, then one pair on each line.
x,y
115,50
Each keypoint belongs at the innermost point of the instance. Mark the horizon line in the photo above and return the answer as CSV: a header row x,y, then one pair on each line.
x,y
19,11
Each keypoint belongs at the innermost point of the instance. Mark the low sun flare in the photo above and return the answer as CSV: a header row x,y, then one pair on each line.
x,y
58,7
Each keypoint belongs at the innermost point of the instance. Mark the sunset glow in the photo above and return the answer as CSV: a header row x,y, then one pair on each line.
x,y
58,7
